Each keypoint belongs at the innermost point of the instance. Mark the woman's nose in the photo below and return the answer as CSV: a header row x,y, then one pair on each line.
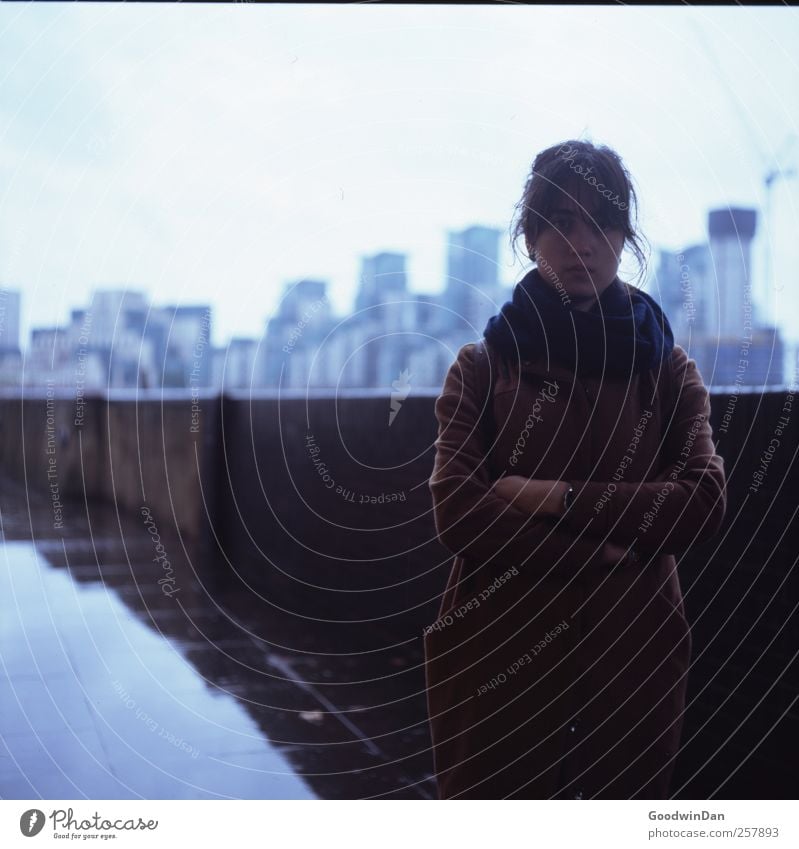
x,y
582,240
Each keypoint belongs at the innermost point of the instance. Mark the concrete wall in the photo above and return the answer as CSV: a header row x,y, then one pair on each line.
x,y
325,546
327,508
128,450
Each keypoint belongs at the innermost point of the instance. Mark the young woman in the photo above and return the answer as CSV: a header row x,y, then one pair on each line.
x,y
557,666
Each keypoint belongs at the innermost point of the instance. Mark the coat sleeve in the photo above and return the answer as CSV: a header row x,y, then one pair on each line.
x,y
470,518
686,502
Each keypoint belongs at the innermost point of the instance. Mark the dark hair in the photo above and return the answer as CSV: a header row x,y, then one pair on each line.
x,y
568,169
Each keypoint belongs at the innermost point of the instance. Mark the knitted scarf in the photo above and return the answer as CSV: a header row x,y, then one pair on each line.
x,y
624,333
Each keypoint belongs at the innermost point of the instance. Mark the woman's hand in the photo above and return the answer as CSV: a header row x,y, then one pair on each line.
x,y
545,498
533,496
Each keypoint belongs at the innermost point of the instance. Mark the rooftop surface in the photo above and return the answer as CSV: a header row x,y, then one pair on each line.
x,y
111,688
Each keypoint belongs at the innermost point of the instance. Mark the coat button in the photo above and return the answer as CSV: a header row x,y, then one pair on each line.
x,y
573,724
578,793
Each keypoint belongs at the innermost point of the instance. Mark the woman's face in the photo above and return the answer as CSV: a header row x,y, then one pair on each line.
x,y
578,255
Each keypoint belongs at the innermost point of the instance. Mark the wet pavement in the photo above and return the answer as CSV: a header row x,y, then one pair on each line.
x,y
114,686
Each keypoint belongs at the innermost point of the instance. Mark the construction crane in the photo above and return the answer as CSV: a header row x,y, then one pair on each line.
x,y
773,170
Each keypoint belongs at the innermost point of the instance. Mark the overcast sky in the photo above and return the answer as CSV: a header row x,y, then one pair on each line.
x,y
212,153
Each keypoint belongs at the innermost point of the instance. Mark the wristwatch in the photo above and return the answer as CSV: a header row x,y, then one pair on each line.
x,y
568,497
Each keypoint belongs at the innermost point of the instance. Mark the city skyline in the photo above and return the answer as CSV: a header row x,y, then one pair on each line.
x,y
139,154
119,339
386,271
368,295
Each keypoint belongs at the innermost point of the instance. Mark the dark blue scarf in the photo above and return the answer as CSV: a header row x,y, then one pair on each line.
x,y
624,333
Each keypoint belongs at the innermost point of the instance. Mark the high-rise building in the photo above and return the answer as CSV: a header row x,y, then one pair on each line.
x,y
300,323
9,319
232,367
472,288
112,327
383,278
120,342
706,293
49,357
427,313
731,232
114,311
188,358
304,299
731,362
697,282
681,285
473,257
391,320
10,354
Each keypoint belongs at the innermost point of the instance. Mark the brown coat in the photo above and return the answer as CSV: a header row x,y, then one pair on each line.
x,y
554,671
